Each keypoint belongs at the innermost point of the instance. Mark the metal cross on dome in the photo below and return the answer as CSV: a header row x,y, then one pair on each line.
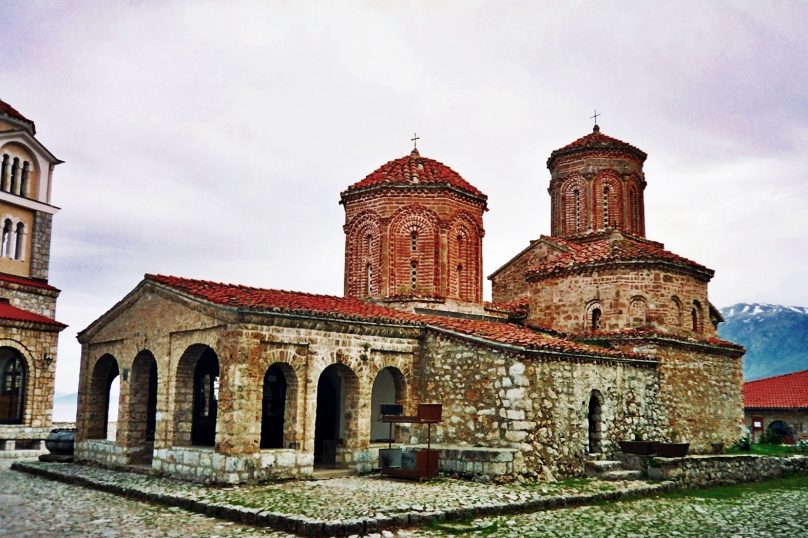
x,y
415,138
595,116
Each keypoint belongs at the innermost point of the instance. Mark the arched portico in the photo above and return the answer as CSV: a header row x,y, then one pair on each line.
x,y
337,412
142,407
196,397
278,405
96,412
389,387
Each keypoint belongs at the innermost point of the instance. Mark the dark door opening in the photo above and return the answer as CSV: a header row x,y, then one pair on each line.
x,y
151,404
594,424
273,408
206,395
326,425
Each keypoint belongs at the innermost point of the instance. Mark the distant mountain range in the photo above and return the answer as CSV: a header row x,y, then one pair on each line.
x,y
775,337
64,407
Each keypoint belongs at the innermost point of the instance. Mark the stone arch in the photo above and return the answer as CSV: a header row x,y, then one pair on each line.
x,y
594,419
364,255
638,311
279,406
781,429
336,425
608,200
593,316
696,317
196,396
13,385
574,204
96,411
142,422
464,258
677,309
389,387
414,252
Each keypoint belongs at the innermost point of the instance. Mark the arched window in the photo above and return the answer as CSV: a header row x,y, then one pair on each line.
x,y
5,246
606,206
414,274
26,169
635,210
696,317
369,289
414,241
4,184
19,241
577,194
595,319
12,386
15,165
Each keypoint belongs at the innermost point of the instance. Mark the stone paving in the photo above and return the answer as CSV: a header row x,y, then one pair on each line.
x,y
34,506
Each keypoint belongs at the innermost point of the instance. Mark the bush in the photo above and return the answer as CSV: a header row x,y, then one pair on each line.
x,y
771,438
743,444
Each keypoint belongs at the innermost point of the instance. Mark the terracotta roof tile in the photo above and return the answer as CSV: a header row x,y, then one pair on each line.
x,y
640,332
14,279
269,300
595,142
10,312
608,246
413,170
12,112
789,391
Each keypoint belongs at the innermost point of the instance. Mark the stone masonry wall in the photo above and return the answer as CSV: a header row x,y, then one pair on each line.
x,y
38,300
627,298
40,244
536,404
706,471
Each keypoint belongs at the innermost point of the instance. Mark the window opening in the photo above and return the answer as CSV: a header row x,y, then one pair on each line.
x,y
577,210
596,314
606,206
24,180
6,244
414,241
414,273
18,242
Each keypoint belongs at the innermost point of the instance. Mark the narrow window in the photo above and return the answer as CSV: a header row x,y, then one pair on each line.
x,y
12,377
19,241
26,168
414,273
694,315
596,319
606,206
370,279
577,210
5,247
15,165
414,241
4,173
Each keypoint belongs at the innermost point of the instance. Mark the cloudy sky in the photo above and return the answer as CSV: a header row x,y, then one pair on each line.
x,y
212,142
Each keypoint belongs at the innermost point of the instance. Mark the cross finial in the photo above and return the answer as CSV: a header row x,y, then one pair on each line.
x,y
415,138
595,116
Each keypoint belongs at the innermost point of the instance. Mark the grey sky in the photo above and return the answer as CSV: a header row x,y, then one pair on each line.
x,y
212,140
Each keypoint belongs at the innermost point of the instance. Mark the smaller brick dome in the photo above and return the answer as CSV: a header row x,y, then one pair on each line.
x,y
412,170
595,142
12,113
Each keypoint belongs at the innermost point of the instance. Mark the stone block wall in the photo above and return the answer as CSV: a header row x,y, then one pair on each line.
x,y
206,465
41,301
40,244
537,404
705,471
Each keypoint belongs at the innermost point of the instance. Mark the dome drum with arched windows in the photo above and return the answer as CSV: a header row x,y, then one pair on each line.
x,y
414,230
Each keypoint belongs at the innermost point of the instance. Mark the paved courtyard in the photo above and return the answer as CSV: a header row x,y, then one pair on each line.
x,y
31,506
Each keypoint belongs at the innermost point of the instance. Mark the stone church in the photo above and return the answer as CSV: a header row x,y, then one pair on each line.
x,y
28,330
595,334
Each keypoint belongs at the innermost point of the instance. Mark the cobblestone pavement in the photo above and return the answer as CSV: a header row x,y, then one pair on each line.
x,y
31,507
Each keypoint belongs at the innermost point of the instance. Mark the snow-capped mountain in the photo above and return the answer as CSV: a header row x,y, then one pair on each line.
x,y
775,337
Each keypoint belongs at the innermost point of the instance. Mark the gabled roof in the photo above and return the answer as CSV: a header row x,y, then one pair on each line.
x,y
352,309
8,110
789,391
22,281
595,142
609,246
12,313
413,170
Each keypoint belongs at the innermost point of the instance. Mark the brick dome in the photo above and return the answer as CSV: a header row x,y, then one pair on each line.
x,y
595,142
412,170
12,113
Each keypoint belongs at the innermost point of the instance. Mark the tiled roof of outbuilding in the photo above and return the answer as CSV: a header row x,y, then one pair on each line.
x,y
12,112
413,170
609,246
14,279
595,141
12,313
789,391
348,308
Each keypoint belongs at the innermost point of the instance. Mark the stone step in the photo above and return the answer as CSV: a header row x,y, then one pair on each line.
x,y
602,466
327,474
621,475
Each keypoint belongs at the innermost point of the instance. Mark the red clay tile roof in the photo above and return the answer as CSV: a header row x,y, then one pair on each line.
x,y
269,300
10,312
609,246
413,169
789,391
12,112
640,332
517,308
596,142
14,279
